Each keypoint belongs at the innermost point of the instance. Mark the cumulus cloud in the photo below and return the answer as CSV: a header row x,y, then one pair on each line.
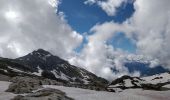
x,y
90,2
107,61
26,25
148,28
109,6
152,22
100,58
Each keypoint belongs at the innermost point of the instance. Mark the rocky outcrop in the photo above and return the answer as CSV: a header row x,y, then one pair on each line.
x,y
23,85
125,82
147,83
155,82
45,94
27,84
158,86
4,77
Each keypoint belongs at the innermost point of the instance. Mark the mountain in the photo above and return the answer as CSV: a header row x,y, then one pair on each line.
x,y
154,82
43,64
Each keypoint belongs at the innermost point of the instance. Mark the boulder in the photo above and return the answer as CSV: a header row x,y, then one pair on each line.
x,y
21,84
24,85
44,94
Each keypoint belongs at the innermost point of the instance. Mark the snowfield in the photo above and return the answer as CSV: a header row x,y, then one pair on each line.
x,y
130,94
158,78
5,95
84,94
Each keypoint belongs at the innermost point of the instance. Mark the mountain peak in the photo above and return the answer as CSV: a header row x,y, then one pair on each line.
x,y
36,55
41,52
43,63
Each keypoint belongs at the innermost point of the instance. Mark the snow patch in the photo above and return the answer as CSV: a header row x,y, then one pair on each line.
x,y
39,72
128,83
55,73
158,78
15,70
5,95
130,94
63,76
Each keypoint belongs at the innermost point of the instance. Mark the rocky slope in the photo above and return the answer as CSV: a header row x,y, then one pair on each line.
x,y
44,94
41,63
154,82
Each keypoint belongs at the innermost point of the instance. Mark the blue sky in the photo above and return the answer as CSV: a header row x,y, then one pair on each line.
x,y
83,17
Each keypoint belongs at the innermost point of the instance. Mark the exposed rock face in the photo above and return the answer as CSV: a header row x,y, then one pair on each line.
x,y
155,82
126,82
45,94
43,64
23,85
4,77
53,67
158,86
28,84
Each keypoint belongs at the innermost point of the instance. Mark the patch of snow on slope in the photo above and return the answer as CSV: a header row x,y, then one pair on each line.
x,y
113,86
5,95
48,55
63,76
128,83
5,71
55,73
44,57
64,66
15,70
130,94
4,85
85,81
159,78
167,86
39,72
84,74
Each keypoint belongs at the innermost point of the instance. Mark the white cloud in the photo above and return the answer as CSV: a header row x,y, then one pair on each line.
x,y
26,25
90,2
152,22
148,28
54,3
109,6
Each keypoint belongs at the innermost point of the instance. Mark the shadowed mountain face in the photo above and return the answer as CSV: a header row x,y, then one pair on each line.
x,y
42,63
42,59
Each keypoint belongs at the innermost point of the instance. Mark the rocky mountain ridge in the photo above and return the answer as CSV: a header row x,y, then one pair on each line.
x,y
154,82
41,63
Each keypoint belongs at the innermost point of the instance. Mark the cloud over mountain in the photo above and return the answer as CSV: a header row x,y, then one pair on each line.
x,y
148,28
